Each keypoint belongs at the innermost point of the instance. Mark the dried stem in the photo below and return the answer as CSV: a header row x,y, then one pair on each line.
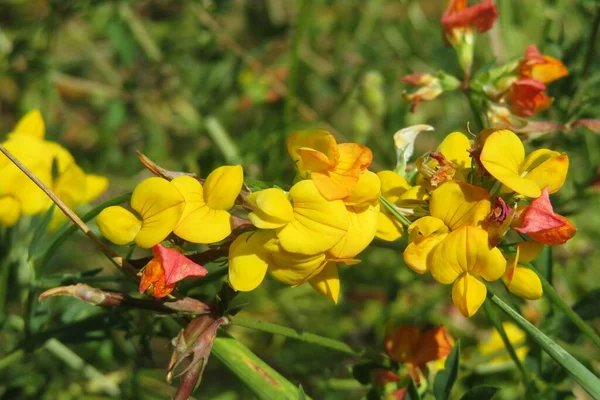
x,y
111,254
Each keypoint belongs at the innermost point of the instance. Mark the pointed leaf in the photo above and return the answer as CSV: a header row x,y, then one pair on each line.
x,y
445,379
264,381
40,230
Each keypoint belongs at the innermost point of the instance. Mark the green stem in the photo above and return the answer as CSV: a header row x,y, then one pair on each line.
x,y
11,358
555,298
476,112
291,333
578,371
495,320
392,209
63,236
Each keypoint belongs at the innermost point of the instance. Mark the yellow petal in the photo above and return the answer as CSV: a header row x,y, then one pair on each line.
x,y
118,225
59,155
273,208
319,140
426,226
361,231
222,186
160,205
327,282
416,253
70,186
529,251
314,161
295,269
524,283
468,294
248,260
14,183
31,124
10,211
95,185
458,203
455,147
198,222
466,250
392,185
502,156
551,173
388,227
367,190
318,223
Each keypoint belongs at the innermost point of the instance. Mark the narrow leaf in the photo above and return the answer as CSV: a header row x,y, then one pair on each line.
x,y
444,380
264,381
578,371
40,230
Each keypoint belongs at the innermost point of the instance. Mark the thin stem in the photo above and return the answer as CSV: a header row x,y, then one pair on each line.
x,y
578,371
495,320
392,209
555,298
4,275
110,253
291,333
476,113
63,236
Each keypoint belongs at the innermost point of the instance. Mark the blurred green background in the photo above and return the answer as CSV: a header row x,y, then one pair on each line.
x,y
198,84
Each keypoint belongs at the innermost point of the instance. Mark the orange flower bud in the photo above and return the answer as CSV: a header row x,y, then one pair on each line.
x,y
542,68
526,97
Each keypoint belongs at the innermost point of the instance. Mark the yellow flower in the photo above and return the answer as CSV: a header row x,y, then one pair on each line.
x,y
252,254
304,221
462,258
396,190
160,206
495,343
503,156
71,184
18,194
521,280
334,168
206,218
452,206
363,211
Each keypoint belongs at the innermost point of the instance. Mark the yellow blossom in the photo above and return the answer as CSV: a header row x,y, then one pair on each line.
x,y
453,205
252,254
503,156
519,279
159,204
206,218
334,168
305,222
462,258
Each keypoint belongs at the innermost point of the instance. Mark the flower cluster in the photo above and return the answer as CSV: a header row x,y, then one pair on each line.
x,y
474,210
488,211
327,218
52,164
519,89
506,94
195,211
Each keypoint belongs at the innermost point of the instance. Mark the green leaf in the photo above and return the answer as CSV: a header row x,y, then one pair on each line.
x,y
578,371
444,380
264,381
40,230
301,394
483,392
412,393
